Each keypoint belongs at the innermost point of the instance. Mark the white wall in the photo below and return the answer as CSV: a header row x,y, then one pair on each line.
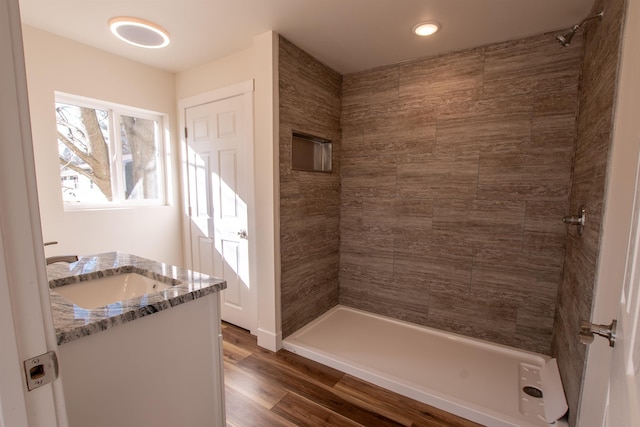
x,y
58,64
259,62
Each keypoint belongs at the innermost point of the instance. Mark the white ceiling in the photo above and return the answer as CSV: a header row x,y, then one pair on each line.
x,y
347,35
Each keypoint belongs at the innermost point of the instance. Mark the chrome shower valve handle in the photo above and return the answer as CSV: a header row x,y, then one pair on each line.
x,y
578,220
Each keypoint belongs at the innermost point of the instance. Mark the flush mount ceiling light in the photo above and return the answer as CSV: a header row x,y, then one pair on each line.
x,y
139,32
424,29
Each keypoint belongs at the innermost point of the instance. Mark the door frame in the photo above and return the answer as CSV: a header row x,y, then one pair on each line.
x,y
244,89
27,325
616,223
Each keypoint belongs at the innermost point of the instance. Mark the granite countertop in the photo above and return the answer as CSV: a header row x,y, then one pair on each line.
x,y
72,322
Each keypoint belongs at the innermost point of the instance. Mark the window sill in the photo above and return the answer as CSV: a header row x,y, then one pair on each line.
x,y
111,207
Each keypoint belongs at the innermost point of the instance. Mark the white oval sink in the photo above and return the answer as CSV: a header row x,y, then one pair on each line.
x,y
96,293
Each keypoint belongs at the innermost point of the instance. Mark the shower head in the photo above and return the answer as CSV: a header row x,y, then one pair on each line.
x,y
565,39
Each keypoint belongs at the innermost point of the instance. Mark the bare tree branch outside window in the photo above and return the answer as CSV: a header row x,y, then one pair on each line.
x,y
87,161
141,182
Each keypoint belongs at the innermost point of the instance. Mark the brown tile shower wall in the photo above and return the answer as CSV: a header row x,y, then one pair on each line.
x,y
456,172
310,101
595,121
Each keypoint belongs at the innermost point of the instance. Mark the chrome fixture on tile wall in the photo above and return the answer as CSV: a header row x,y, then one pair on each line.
x,y
565,38
588,331
578,220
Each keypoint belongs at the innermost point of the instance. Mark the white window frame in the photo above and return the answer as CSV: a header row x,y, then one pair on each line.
x,y
115,151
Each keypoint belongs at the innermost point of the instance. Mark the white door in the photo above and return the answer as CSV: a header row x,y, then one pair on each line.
x,y
611,390
624,388
219,180
26,327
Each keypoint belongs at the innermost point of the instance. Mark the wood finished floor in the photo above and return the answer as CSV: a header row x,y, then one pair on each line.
x,y
283,389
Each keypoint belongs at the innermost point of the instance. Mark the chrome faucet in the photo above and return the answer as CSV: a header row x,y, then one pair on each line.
x,y
62,258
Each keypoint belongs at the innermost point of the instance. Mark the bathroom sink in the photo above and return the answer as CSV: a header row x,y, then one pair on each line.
x,y
96,293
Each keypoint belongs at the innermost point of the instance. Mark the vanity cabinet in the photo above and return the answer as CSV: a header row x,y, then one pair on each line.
x,y
163,370
152,359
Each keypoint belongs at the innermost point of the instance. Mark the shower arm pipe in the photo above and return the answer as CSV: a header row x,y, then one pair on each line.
x,y
599,16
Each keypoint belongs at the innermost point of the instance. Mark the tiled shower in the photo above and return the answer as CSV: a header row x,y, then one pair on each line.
x,y
450,178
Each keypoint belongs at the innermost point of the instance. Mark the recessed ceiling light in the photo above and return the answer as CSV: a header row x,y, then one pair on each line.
x,y
424,29
139,32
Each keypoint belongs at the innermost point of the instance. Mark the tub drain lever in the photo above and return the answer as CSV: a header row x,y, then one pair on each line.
x,y
578,220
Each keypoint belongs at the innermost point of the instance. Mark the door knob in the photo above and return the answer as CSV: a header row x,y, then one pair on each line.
x,y
242,233
588,331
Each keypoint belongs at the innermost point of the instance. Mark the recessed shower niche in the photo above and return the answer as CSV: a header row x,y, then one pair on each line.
x,y
310,153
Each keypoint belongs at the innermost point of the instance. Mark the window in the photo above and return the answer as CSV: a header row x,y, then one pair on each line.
x,y
109,154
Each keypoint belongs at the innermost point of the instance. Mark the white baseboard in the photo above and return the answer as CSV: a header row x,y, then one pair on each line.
x,y
269,340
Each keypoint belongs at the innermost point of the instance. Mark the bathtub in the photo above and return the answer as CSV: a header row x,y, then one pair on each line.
x,y
474,379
